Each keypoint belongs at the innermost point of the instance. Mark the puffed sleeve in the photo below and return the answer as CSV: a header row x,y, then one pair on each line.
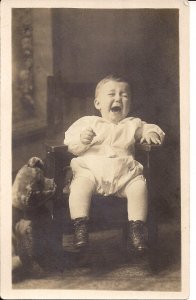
x,y
145,128
72,136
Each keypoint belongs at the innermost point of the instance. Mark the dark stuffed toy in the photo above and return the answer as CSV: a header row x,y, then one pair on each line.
x,y
32,222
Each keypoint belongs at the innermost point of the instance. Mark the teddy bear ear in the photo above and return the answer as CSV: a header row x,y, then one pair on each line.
x,y
35,162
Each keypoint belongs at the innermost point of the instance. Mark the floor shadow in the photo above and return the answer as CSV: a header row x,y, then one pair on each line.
x,y
107,252
106,261
169,248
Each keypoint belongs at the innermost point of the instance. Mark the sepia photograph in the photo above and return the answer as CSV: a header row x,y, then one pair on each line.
x,y
95,195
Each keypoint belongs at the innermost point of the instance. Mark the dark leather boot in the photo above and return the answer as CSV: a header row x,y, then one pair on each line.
x,y
81,232
137,237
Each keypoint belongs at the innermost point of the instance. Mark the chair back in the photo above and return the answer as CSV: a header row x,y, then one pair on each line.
x,y
67,102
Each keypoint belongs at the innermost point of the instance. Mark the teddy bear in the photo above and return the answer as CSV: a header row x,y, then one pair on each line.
x,y
32,221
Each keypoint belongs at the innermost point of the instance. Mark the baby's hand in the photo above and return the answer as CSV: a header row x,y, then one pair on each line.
x,y
87,135
151,137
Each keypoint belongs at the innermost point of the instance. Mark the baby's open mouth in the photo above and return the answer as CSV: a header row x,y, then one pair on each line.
x,y
116,109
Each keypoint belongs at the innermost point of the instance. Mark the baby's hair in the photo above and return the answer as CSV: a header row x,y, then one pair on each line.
x,y
109,78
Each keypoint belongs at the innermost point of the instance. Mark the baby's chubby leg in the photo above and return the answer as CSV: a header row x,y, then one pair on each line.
x,y
81,191
137,200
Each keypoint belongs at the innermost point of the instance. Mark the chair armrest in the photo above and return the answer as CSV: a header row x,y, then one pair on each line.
x,y
56,147
57,157
147,147
58,150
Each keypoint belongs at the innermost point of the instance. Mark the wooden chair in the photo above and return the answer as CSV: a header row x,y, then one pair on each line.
x,y
58,158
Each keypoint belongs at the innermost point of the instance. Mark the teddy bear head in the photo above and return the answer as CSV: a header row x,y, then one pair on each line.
x,y
31,188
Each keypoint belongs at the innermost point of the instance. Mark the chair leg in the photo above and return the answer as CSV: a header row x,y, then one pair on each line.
x,y
124,241
153,256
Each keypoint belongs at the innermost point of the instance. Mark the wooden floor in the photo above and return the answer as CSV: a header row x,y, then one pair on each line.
x,y
107,268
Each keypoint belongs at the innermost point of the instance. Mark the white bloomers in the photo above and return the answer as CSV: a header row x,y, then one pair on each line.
x,y
109,175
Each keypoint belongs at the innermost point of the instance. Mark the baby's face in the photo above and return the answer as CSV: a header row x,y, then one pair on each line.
x,y
113,101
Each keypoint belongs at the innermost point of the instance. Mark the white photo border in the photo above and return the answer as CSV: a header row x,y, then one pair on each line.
x,y
6,163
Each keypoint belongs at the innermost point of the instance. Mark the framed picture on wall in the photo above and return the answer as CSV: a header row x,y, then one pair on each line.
x,y
29,71
106,74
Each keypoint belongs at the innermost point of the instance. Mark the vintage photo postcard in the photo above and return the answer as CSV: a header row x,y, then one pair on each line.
x,y
95,149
